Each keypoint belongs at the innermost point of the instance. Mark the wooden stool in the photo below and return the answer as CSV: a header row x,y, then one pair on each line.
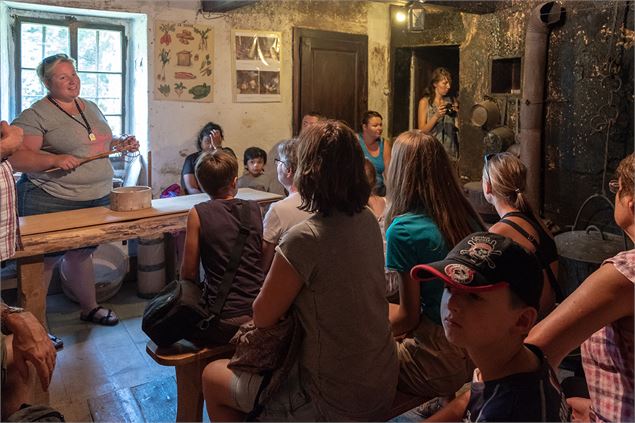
x,y
189,362
402,403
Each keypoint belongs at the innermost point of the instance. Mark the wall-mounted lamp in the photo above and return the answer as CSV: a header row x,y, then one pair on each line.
x,y
400,17
416,16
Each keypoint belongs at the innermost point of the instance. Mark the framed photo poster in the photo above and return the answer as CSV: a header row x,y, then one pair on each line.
x,y
184,57
256,76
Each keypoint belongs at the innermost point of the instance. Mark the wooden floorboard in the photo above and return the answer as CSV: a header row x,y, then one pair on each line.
x,y
157,399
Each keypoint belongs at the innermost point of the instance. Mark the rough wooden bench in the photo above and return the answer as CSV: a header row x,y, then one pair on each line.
x,y
189,362
403,403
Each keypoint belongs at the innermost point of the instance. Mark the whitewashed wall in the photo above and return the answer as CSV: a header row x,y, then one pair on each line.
x,y
172,126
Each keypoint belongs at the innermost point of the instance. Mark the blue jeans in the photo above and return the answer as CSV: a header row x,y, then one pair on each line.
x,y
34,200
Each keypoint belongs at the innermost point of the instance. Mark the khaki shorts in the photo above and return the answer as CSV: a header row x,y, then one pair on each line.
x,y
429,365
290,403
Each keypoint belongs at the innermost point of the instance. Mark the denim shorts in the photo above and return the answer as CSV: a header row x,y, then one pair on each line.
x,y
34,200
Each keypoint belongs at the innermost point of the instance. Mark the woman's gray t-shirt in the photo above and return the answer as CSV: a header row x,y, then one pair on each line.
x,y
62,135
348,350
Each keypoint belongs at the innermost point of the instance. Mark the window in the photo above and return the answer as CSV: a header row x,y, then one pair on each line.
x,y
505,75
100,53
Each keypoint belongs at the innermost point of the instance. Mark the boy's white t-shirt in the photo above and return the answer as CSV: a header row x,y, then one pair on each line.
x,y
282,216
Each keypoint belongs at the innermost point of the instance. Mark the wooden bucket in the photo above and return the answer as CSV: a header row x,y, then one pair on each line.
x,y
130,198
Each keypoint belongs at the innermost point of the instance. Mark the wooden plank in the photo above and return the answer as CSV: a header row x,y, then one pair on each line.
x,y
117,406
95,235
157,399
80,218
74,219
184,352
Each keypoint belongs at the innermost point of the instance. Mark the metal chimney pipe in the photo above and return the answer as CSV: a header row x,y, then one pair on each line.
x,y
531,110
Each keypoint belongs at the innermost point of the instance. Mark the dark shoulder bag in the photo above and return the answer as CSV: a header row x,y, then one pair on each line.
x,y
181,310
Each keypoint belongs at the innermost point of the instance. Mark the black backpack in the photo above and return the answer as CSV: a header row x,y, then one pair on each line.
x,y
180,310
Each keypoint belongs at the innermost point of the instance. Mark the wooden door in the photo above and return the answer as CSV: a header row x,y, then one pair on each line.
x,y
330,75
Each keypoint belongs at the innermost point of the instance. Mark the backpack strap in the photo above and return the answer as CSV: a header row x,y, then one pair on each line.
x,y
232,266
553,281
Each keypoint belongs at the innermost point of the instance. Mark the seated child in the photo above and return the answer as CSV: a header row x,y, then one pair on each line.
x,y
490,302
254,160
285,213
211,233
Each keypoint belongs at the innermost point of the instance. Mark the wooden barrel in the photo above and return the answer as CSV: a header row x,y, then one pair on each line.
x,y
150,266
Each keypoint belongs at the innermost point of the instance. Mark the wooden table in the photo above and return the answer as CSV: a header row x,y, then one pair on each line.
x,y
54,232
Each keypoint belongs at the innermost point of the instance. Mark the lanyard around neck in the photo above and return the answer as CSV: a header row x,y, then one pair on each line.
x,y
86,125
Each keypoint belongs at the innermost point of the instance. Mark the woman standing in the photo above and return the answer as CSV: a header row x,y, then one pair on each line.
x,y
209,138
59,130
504,187
427,215
375,148
438,113
328,271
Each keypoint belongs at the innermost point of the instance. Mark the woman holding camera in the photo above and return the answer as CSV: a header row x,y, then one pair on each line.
x,y
438,113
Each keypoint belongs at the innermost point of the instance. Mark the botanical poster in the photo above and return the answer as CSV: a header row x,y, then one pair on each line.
x,y
184,55
256,66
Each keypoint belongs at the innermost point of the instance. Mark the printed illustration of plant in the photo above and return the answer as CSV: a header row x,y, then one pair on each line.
x,y
185,36
165,59
164,89
178,88
166,29
200,91
206,66
202,44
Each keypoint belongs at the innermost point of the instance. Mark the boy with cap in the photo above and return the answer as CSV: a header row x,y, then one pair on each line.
x,y
490,302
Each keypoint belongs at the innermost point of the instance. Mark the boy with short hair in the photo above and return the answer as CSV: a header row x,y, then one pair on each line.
x,y
490,303
254,159
212,231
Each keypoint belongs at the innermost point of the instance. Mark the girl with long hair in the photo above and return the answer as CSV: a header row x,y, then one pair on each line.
x,y
504,181
427,215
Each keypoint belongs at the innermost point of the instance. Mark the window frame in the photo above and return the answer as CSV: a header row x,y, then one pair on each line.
x,y
73,23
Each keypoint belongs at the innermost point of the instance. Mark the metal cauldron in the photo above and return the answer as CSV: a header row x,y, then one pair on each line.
x,y
582,251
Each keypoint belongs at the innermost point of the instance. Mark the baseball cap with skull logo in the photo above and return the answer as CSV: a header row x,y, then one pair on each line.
x,y
484,261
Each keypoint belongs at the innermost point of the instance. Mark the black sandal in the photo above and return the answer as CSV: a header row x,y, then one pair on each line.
x,y
58,344
107,320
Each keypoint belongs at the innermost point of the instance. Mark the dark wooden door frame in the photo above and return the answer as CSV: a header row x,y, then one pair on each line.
x,y
298,34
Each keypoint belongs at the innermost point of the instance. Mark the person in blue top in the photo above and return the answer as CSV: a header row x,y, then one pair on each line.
x,y
375,148
427,215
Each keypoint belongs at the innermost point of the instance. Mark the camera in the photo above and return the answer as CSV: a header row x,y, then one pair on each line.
x,y
449,110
